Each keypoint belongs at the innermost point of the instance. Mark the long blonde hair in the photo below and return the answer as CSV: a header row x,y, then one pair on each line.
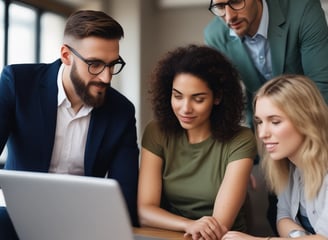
x,y
299,98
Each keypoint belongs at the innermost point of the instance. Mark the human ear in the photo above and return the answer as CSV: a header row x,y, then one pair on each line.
x,y
65,55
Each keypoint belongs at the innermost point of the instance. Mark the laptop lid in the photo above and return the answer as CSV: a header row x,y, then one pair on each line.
x,y
57,206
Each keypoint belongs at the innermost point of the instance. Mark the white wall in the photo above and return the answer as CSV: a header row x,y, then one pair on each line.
x,y
324,4
128,14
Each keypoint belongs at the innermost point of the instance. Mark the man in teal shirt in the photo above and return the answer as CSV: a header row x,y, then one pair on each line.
x,y
267,38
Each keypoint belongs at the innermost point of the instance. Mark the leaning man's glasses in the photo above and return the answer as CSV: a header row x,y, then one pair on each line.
x,y
96,67
219,9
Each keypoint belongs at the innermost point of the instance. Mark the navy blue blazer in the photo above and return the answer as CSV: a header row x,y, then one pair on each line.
x,y
28,113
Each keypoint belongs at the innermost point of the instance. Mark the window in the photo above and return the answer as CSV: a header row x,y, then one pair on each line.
x,y
52,29
33,34
21,34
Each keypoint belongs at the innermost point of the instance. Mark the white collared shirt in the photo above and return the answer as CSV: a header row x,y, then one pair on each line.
x,y
258,45
71,134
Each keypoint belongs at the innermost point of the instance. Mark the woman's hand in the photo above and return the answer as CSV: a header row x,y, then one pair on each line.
x,y
205,228
233,235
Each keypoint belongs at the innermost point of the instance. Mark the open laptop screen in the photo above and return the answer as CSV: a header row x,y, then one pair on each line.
x,y
56,206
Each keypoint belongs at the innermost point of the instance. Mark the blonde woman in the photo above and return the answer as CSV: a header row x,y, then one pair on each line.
x,y
291,120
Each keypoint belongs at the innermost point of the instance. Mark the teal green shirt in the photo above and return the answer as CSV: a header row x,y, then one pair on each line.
x,y
193,173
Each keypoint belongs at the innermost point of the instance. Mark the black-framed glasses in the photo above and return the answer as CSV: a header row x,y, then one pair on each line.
x,y
96,67
219,9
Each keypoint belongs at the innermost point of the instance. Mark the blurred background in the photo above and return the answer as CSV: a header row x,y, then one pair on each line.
x,y
31,31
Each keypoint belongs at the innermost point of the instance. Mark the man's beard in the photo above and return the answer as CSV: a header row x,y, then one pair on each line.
x,y
83,92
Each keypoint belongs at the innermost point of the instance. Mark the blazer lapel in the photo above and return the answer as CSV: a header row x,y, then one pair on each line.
x,y
240,57
49,106
97,129
277,37
48,103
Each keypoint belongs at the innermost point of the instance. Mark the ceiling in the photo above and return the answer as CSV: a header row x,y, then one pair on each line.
x,y
162,3
182,3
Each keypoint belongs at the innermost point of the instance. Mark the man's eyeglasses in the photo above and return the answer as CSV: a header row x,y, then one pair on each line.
x,y
96,67
219,9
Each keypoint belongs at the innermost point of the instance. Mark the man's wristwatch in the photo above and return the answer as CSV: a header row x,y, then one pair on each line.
x,y
297,233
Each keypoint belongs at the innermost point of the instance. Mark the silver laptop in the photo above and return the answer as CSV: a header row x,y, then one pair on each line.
x,y
46,206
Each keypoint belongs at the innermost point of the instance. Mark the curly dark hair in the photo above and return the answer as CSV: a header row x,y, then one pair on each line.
x,y
213,68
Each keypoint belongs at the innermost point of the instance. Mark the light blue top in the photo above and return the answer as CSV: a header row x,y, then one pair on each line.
x,y
316,209
258,46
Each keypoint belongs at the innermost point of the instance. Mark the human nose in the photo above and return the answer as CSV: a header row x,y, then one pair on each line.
x,y
106,75
263,131
229,13
186,106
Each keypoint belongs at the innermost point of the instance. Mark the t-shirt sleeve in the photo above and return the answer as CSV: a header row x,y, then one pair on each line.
x,y
153,139
243,145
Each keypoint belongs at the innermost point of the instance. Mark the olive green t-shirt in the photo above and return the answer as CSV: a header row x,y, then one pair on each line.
x,y
192,173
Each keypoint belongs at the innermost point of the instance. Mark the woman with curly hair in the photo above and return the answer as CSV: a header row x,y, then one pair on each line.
x,y
196,157
291,120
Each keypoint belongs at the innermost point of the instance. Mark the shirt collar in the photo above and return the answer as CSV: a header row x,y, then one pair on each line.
x,y
264,24
61,92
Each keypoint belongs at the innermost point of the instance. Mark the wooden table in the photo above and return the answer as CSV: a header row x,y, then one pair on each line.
x,y
160,233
